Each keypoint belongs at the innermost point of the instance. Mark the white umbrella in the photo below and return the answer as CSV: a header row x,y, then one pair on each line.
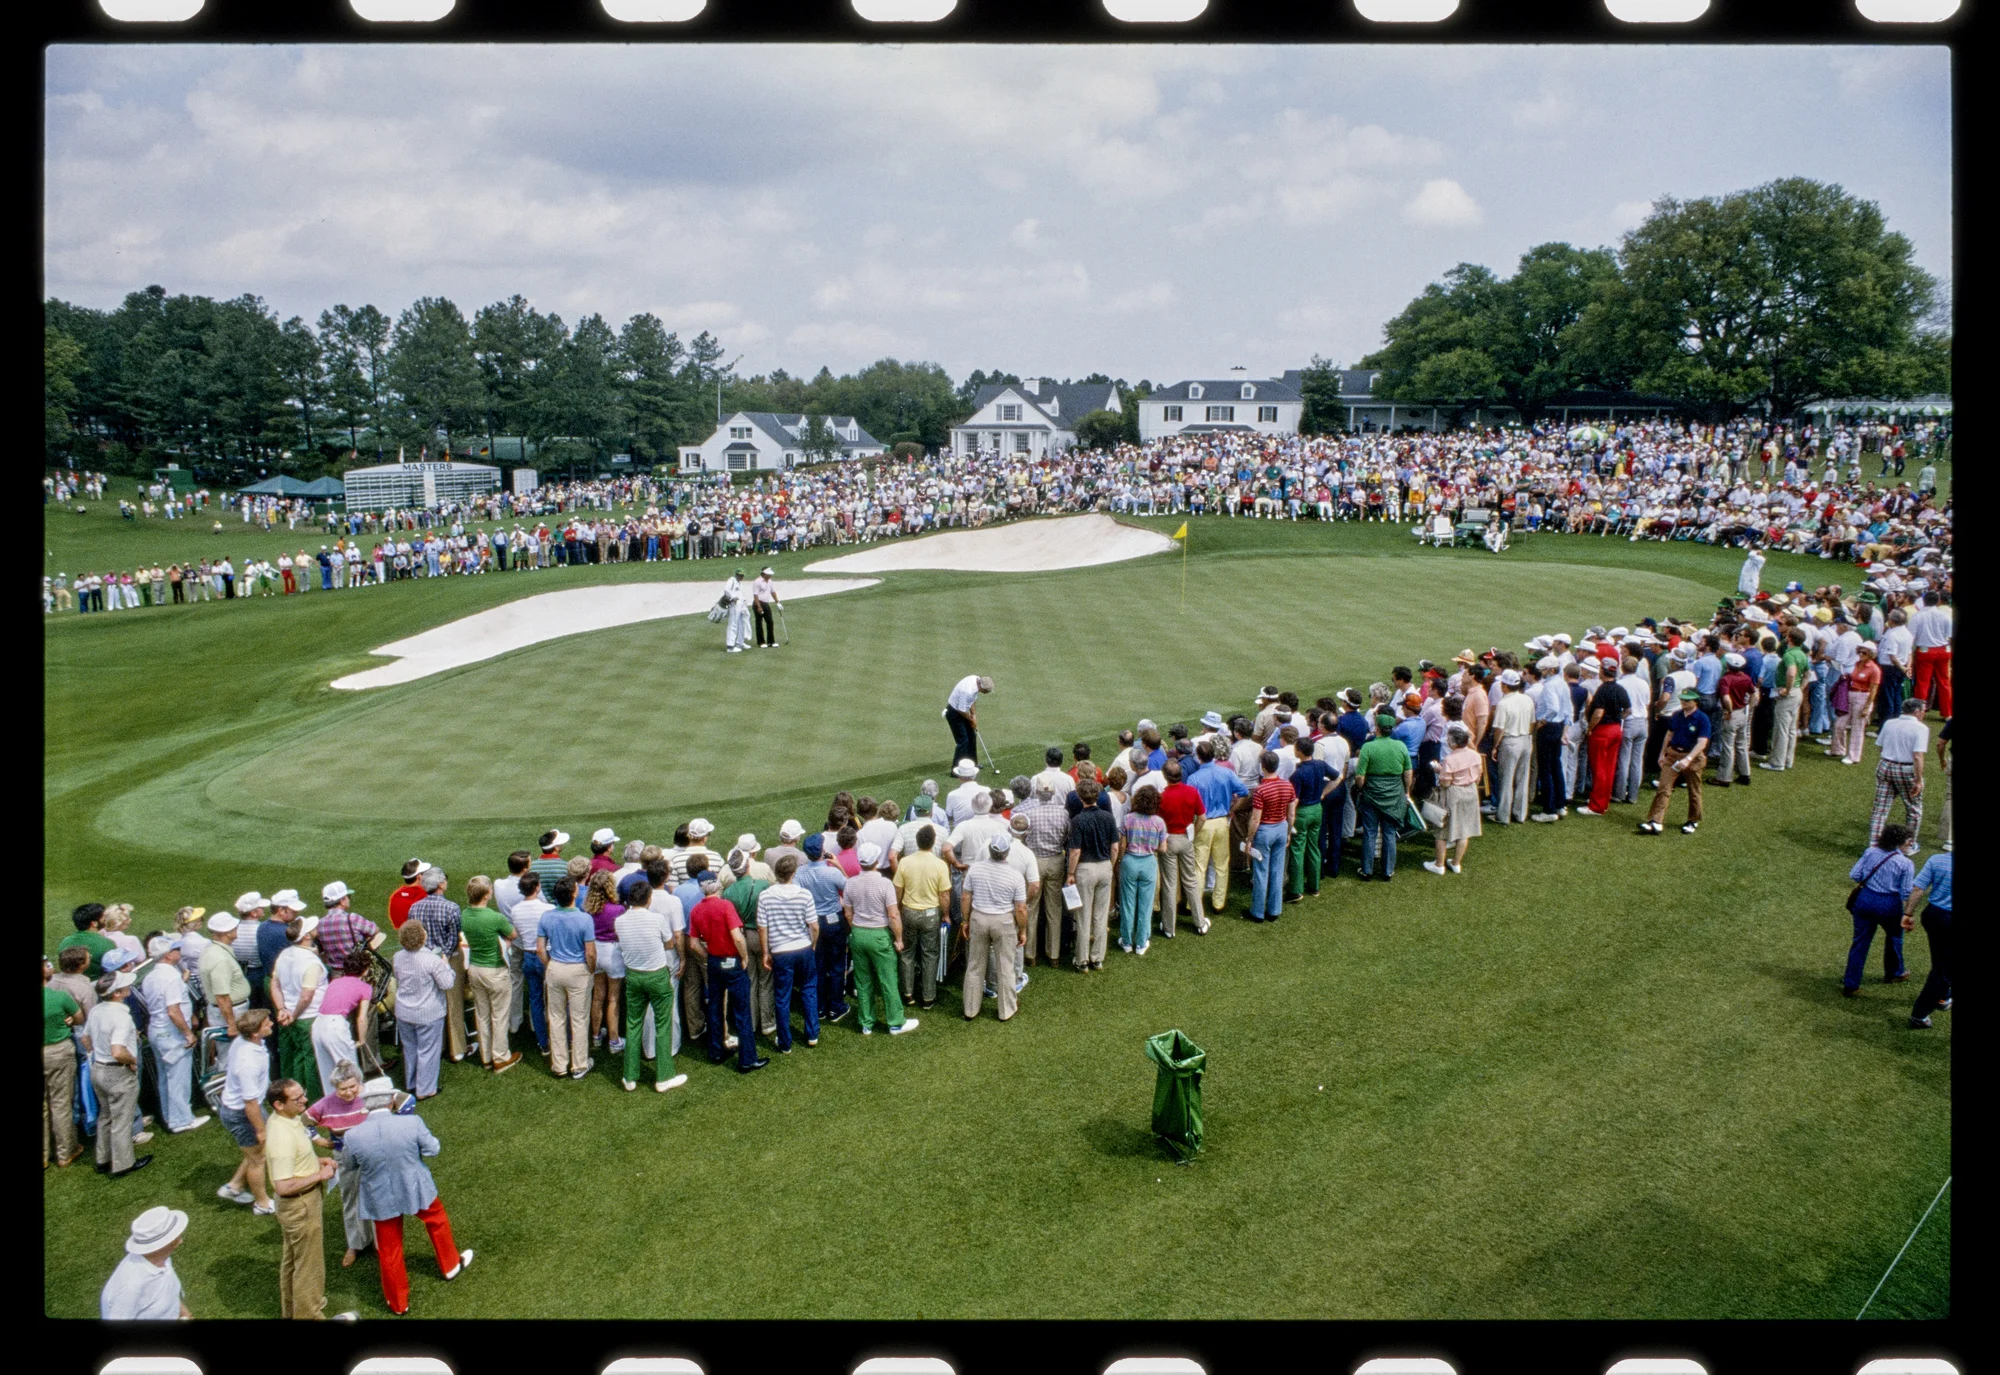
x,y
1588,433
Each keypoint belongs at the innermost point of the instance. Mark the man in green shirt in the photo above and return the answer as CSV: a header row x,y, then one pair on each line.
x,y
60,1012
742,895
1793,667
224,985
484,929
89,934
1383,773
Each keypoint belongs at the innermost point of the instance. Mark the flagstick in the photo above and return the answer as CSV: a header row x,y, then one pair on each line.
x,y
1184,545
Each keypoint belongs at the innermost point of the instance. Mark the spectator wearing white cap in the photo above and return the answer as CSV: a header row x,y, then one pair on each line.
x,y
298,982
223,983
997,922
549,864
698,832
874,939
112,1039
170,1031
601,841
274,935
1736,700
62,1013
250,912
143,1287
1864,683
744,881
1512,728
958,802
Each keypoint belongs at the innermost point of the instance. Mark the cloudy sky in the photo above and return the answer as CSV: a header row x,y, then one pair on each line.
x,y
1161,211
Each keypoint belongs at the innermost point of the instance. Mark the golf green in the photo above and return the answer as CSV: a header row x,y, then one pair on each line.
x,y
1598,1075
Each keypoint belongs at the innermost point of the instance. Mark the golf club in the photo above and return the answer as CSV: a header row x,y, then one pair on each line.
x,y
784,631
989,753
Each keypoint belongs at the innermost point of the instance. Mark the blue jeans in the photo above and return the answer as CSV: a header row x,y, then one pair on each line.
x,y
1138,880
1887,915
789,970
1377,823
538,1005
1821,720
831,959
732,983
1267,870
1332,817
173,1067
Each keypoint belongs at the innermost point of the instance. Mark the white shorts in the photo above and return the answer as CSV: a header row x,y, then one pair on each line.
x,y
610,960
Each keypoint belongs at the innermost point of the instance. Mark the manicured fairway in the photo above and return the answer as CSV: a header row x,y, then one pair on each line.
x,y
1598,1075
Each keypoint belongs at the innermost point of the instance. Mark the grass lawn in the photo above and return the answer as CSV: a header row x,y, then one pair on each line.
x,y
1599,1075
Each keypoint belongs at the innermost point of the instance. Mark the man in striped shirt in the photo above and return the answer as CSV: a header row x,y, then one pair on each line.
x,y
789,919
438,915
550,865
643,936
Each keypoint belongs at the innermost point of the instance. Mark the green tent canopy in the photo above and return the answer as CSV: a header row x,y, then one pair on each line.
x,y
322,488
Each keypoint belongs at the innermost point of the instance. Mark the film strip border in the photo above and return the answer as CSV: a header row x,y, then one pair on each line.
x,y
1647,21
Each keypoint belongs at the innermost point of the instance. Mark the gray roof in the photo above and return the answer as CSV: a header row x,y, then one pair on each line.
x,y
1076,400
1230,389
1354,382
777,426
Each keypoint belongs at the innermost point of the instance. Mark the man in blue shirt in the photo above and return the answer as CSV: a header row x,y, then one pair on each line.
x,y
694,973
1934,883
1682,754
1707,676
1552,717
827,884
567,943
1219,788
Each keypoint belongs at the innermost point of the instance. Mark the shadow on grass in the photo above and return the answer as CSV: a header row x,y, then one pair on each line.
x,y
1880,1015
1122,1139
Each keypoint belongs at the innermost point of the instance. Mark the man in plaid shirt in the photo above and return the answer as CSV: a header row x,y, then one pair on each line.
x,y
438,915
341,929
1048,840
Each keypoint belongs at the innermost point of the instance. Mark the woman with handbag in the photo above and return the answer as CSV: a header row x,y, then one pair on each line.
x,y
1883,878
1855,701
1459,773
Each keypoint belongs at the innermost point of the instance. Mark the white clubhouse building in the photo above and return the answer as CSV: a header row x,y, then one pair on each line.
x,y
764,441
1240,405
1035,417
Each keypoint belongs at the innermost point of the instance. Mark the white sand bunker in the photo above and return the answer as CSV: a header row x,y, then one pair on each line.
x,y
551,616
1028,546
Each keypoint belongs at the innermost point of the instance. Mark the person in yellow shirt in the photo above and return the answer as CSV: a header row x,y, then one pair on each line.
x,y
922,883
298,1183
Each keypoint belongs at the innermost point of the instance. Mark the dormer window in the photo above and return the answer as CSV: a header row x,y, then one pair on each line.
x,y
1194,391
739,431
1249,392
1009,413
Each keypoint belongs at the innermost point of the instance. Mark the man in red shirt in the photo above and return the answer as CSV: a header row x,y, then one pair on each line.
x,y
718,929
600,849
1182,809
411,892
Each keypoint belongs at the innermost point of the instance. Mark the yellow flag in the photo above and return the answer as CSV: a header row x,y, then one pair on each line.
x,y
1182,532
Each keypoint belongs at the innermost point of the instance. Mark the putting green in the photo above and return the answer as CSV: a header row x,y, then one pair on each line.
x,y
674,719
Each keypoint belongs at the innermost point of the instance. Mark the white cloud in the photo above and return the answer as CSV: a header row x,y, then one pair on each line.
x,y
1443,203
1154,297
846,339
1629,215
1024,233
1551,109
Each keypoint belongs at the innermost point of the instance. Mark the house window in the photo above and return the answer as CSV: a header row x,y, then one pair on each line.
x,y
1010,413
1020,441
1267,415
1222,412
790,458
738,462
1194,391
1170,412
739,431
1248,391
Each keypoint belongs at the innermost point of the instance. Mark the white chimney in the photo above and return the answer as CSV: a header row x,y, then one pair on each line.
x,y
1033,386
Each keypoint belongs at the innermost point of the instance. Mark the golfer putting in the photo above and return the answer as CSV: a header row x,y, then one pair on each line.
x,y
961,713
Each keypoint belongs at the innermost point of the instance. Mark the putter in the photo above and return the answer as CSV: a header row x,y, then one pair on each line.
x,y
784,630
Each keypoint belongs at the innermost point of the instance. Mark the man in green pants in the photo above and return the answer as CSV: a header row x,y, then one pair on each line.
x,y
873,943
643,937
1312,779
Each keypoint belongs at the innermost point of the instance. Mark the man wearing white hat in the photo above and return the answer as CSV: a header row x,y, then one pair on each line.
x,y
144,1287
998,922
223,983
444,937
698,831
250,911
764,596
549,865
1512,727
170,1030
112,1039
961,713
298,982
874,939
958,802
1751,578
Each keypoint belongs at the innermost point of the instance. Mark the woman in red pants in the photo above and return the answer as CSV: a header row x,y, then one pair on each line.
x,y
1605,719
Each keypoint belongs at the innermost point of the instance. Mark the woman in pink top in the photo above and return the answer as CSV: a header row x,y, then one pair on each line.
x,y
1460,773
342,1108
337,1028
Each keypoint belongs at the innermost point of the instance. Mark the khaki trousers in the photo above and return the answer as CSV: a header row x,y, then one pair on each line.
x,y
1180,880
491,991
1211,846
302,1255
117,1104
694,996
1046,912
568,988
454,1009
59,1099
996,934
1093,883
1669,756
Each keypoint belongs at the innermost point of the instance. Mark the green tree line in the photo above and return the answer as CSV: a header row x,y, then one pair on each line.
x,y
1771,298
